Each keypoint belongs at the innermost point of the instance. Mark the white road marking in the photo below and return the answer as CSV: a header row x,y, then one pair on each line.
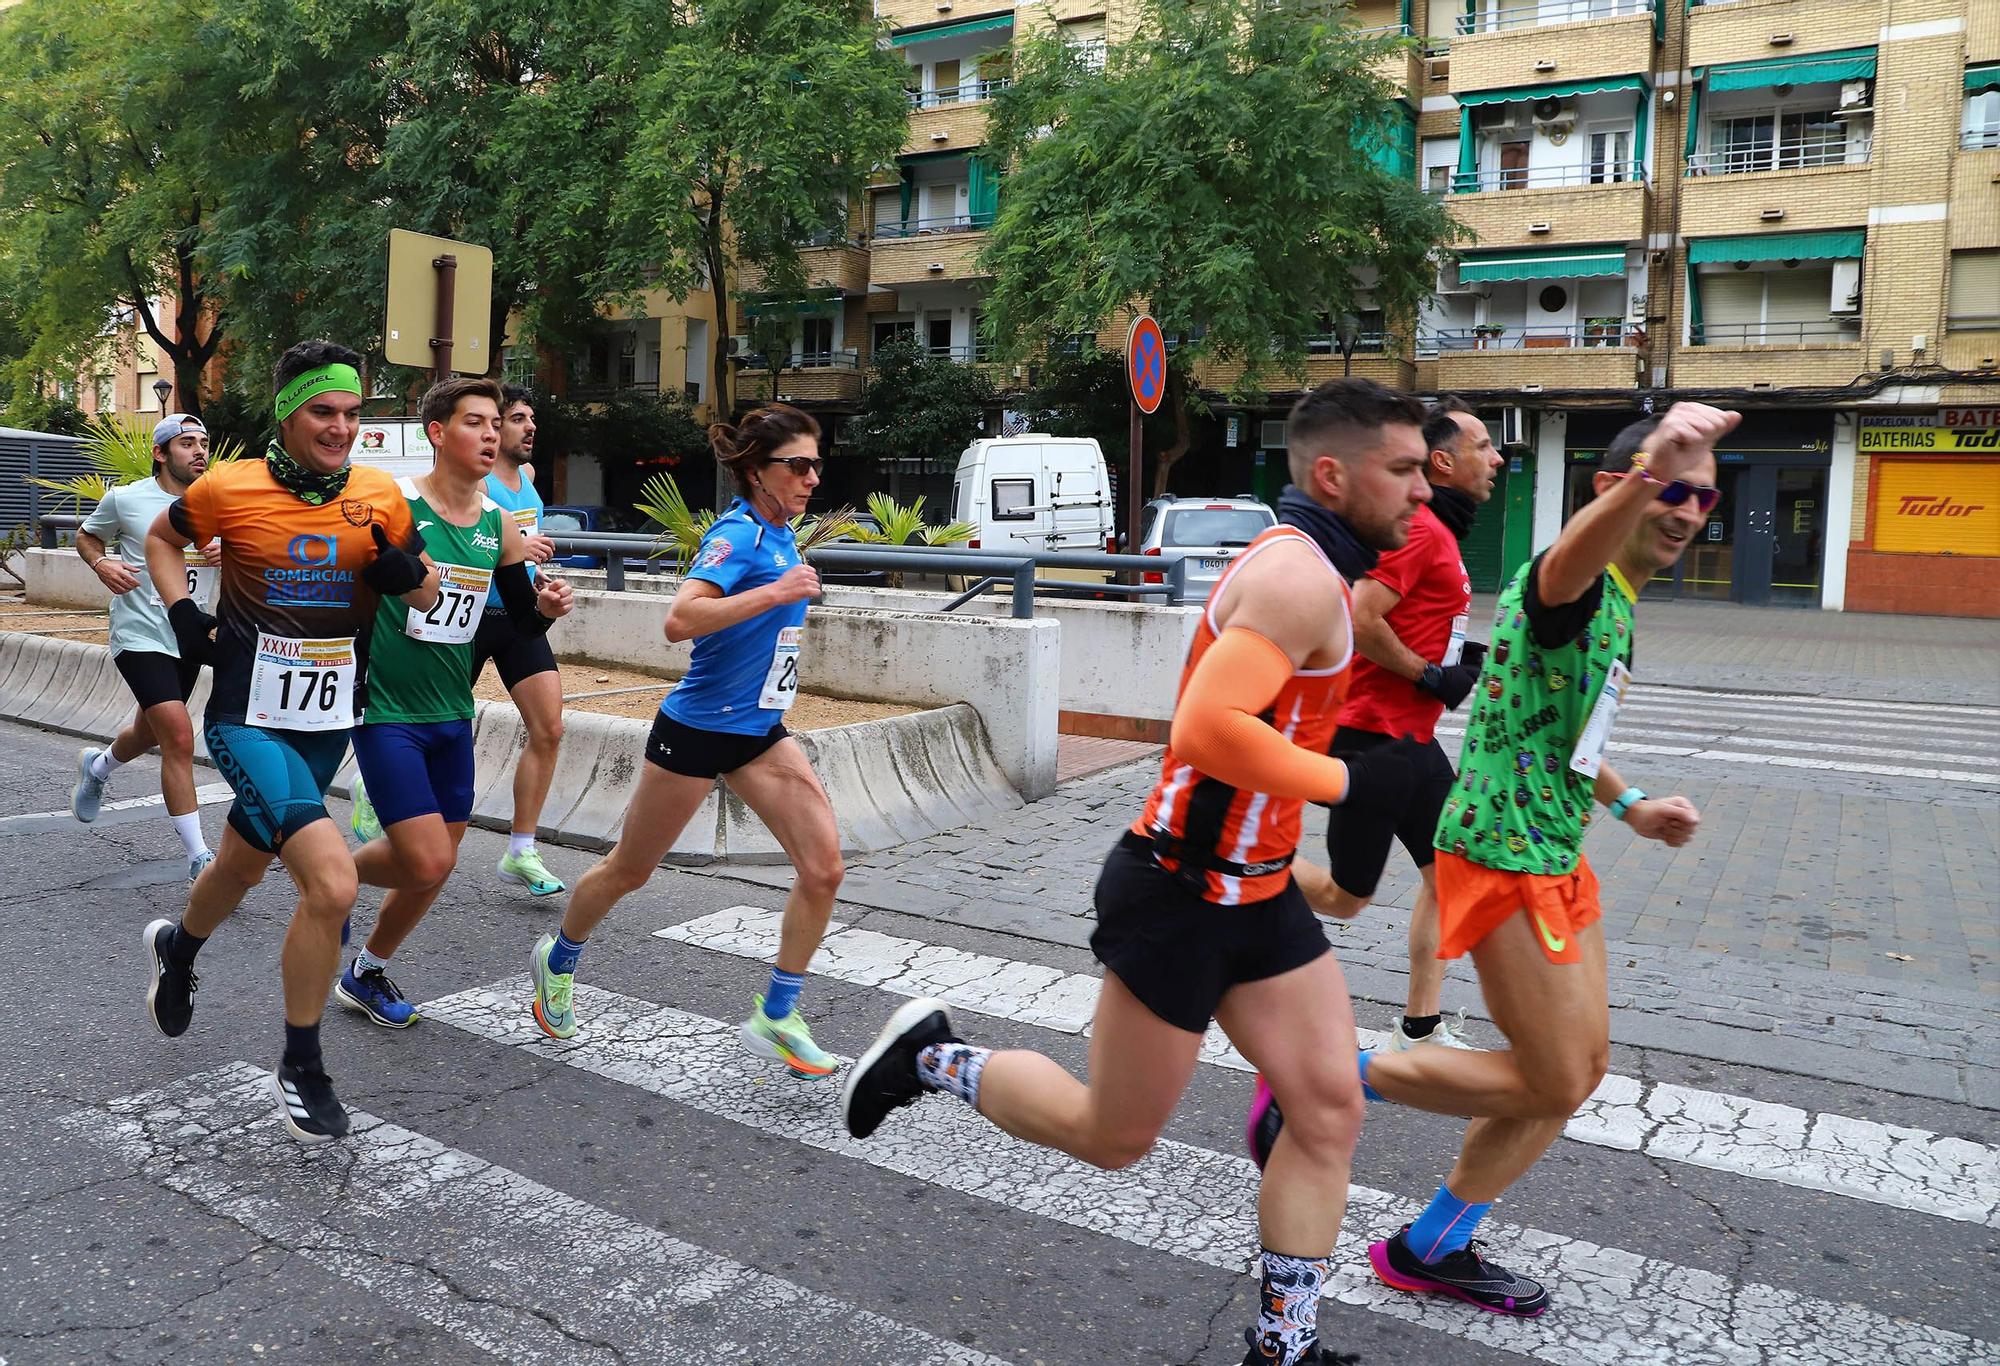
x,y
1808,705
1613,1307
208,794
1883,1164
1729,756
444,1236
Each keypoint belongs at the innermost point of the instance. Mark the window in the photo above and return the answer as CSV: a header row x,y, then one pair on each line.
x,y
1514,164
1982,119
1974,300
149,402
975,341
937,336
941,206
1610,156
106,400
1087,37
816,342
517,365
895,330
1013,500
1776,305
888,206
1776,140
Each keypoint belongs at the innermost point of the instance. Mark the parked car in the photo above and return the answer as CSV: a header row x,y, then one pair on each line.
x,y
559,518
1212,532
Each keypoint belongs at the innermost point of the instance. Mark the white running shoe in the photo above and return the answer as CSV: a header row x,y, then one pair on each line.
x,y
1449,1033
88,794
199,862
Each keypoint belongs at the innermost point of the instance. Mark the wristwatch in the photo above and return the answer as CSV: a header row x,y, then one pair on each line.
x,y
1625,801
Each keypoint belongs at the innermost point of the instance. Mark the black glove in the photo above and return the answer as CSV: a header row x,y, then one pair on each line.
x,y
1383,778
394,571
1450,686
192,631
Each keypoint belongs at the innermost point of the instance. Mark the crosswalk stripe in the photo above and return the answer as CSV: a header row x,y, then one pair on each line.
x,y
1653,713
1810,705
1709,735
209,794
1722,751
1611,1305
1883,1164
440,1235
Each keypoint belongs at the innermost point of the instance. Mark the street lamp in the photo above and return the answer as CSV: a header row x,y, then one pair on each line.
x,y
1347,335
161,388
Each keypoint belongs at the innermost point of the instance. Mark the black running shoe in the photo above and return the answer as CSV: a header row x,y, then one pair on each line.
x,y
307,1104
886,1075
1464,1275
1314,1355
170,998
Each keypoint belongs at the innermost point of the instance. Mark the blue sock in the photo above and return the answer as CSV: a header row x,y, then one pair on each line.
x,y
1445,1226
782,994
1368,1056
562,958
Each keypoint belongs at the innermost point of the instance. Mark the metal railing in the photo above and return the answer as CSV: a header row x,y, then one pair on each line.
x,y
53,524
1385,31
1622,172
1367,344
1766,334
979,353
1778,156
1541,12
924,227
810,360
1978,139
965,92
1512,337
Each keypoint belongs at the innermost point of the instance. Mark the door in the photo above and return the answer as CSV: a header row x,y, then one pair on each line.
x,y
1756,538
1514,164
1798,547
1708,569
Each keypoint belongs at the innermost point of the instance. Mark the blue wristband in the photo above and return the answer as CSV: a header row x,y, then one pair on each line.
x,y
1625,801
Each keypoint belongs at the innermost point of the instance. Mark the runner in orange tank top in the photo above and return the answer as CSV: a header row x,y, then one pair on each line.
x,y
1197,915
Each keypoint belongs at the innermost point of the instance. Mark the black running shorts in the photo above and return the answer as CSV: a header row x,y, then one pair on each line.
x,y
155,677
1357,842
695,753
1180,954
520,654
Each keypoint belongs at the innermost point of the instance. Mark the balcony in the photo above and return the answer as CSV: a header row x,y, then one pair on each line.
x,y
1810,331
1379,357
1403,68
1719,199
909,13
1521,45
1729,33
1606,201
921,250
832,263
950,120
1822,361
814,377
1595,354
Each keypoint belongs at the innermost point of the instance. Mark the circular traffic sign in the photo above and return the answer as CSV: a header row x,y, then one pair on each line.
x,y
1146,363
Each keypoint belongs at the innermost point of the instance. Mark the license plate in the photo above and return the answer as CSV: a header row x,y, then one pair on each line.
x,y
1215,562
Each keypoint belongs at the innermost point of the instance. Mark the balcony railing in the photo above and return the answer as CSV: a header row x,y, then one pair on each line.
x,y
967,92
1385,31
809,360
1623,172
1777,334
979,353
924,227
1978,139
1515,337
1548,12
1777,156
1366,344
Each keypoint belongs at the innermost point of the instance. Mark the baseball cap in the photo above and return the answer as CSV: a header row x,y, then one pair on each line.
x,y
173,425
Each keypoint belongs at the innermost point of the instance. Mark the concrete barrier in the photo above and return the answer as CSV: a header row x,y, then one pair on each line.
x,y
892,780
60,578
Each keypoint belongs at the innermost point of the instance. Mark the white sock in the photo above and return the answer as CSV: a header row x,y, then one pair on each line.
x,y
188,827
104,765
520,844
365,961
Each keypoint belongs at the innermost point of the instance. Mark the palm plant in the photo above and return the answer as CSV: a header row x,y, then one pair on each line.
x,y
681,527
119,453
898,524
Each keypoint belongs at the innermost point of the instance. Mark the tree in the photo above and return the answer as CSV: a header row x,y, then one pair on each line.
x,y
1218,169
756,125
918,406
1085,393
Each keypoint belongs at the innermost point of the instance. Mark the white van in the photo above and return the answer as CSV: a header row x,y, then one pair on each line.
x,y
1034,492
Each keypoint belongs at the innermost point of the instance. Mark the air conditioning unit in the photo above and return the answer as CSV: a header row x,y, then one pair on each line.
x,y
1271,434
1499,118
739,345
1551,114
1854,97
1512,428
1844,298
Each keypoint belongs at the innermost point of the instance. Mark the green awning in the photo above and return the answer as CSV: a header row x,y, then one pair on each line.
x,y
1978,78
1780,246
1854,64
1561,263
959,30
1554,90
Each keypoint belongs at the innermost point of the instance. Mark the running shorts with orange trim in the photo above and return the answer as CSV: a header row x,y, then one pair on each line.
x,y
1474,901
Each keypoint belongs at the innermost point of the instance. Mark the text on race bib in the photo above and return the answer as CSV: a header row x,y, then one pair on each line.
x,y
781,684
302,684
454,618
1588,757
528,519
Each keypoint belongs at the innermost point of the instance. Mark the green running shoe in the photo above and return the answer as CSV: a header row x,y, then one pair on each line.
x,y
364,823
555,1010
788,1041
528,870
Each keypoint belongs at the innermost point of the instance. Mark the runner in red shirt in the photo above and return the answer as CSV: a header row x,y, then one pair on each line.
x,y
1410,615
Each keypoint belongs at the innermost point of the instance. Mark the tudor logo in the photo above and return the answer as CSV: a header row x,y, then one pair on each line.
x,y
1935,505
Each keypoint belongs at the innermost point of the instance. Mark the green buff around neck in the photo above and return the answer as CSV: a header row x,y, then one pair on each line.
x,y
327,379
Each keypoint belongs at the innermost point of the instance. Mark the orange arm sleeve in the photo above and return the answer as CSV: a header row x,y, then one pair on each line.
x,y
1219,726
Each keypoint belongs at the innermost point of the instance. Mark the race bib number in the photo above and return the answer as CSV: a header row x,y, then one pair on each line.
x,y
1589,754
781,684
454,618
302,684
202,577
528,519
1454,649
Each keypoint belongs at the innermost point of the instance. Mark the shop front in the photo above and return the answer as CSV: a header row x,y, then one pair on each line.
x,y
1931,540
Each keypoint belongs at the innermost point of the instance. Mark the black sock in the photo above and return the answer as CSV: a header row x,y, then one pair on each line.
x,y
182,946
1420,1026
302,1046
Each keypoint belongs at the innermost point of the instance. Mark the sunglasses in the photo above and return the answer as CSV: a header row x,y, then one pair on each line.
x,y
801,465
1675,492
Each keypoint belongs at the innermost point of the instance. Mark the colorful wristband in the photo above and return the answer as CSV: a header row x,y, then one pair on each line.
x,y
1625,801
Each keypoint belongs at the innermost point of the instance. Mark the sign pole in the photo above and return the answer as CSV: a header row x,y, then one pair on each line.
x,y
1134,472
447,294
1146,373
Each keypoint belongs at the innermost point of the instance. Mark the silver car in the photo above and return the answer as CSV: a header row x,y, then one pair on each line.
x,y
1210,531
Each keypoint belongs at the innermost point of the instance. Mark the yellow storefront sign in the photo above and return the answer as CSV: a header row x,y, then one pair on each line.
x,y
1937,507
1892,436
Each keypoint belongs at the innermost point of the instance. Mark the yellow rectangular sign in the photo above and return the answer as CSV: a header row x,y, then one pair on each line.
x,y
1891,436
1942,507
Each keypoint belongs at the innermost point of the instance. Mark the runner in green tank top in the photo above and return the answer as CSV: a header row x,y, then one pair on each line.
x,y
414,745
1514,889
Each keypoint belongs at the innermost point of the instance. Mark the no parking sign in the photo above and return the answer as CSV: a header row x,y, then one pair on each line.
x,y
1146,363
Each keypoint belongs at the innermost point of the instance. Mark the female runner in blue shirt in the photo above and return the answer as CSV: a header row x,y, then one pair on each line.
x,y
743,603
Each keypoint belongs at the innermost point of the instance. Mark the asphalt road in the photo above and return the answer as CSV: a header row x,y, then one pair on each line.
x,y
650,1193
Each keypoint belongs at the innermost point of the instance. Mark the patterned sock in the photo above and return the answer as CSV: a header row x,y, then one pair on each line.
x,y
183,946
520,844
1419,1026
365,961
104,765
782,994
188,827
562,958
302,1045
1288,1324
953,1067
1368,1056
1445,1226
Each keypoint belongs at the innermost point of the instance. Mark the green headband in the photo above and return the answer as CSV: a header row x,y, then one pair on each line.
x,y
327,379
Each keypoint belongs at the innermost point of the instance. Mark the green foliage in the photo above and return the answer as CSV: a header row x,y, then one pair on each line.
x,y
120,451
1216,170
900,524
631,427
34,414
1085,393
682,527
918,406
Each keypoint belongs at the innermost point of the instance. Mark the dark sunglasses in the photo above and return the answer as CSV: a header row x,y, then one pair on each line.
x,y
1675,492
801,465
